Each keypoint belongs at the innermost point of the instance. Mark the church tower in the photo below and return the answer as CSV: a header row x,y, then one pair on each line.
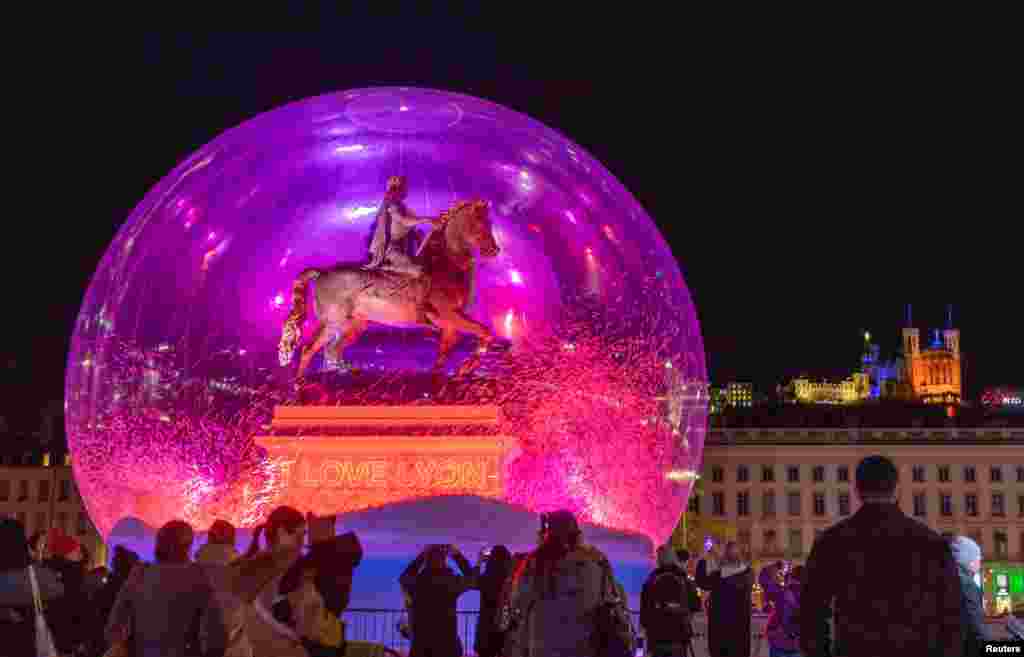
x,y
951,336
911,339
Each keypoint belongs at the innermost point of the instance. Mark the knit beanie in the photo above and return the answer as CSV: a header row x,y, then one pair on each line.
x,y
965,551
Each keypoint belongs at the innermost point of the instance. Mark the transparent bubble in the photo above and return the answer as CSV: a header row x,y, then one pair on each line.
x,y
175,365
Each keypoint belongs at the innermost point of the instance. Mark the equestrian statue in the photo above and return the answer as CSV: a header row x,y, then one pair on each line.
x,y
398,287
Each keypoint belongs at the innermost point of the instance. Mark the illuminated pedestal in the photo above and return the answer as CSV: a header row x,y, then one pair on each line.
x,y
333,463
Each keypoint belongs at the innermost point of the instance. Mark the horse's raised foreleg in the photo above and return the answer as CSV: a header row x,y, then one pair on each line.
x,y
310,349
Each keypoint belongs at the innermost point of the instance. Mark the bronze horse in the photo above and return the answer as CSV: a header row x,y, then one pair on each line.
x,y
349,297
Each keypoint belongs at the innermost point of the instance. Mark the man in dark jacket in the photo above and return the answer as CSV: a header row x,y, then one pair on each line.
x,y
435,590
730,582
968,560
892,580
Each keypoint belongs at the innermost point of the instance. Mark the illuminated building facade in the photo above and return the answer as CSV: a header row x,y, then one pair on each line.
x,y
38,489
781,487
739,395
934,374
853,389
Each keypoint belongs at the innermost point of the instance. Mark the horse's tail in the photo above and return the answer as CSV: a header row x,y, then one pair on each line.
x,y
291,332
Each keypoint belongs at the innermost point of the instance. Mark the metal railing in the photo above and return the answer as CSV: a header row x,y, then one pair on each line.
x,y
381,626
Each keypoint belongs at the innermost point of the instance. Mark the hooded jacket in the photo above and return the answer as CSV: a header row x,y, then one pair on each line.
x,y
557,609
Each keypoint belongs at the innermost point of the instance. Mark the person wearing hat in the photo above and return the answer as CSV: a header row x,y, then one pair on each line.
x,y
555,594
967,555
70,628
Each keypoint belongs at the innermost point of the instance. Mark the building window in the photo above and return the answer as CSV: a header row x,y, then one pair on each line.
x,y
743,504
844,504
41,521
843,473
818,473
5,490
44,491
694,504
20,516
794,504
793,474
996,474
767,474
743,538
971,504
718,504
945,504
1020,507
796,542
769,503
1020,474
969,473
944,474
83,523
62,521
817,534
743,474
998,504
918,473
717,474
771,542
65,490
819,504
22,491
920,505
1000,543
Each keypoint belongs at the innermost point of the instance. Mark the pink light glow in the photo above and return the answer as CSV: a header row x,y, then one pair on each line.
x,y
278,301
211,236
569,214
515,277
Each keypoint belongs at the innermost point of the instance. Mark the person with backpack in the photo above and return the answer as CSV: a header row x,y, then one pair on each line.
x,y
665,607
783,631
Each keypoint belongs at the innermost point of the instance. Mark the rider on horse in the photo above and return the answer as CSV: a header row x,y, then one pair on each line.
x,y
393,244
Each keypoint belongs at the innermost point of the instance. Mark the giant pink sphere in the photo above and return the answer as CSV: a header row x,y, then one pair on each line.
x,y
173,366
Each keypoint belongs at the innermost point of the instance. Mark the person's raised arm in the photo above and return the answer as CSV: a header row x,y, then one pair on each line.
x,y
410,219
408,577
470,574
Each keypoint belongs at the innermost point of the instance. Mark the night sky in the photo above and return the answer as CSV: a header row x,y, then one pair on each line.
x,y
805,200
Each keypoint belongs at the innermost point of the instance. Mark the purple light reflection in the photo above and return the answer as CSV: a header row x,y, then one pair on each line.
x,y
299,187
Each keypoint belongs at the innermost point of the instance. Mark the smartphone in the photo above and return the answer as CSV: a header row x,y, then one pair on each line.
x,y
487,553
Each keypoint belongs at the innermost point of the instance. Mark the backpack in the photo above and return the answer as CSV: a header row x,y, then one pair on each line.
x,y
666,613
